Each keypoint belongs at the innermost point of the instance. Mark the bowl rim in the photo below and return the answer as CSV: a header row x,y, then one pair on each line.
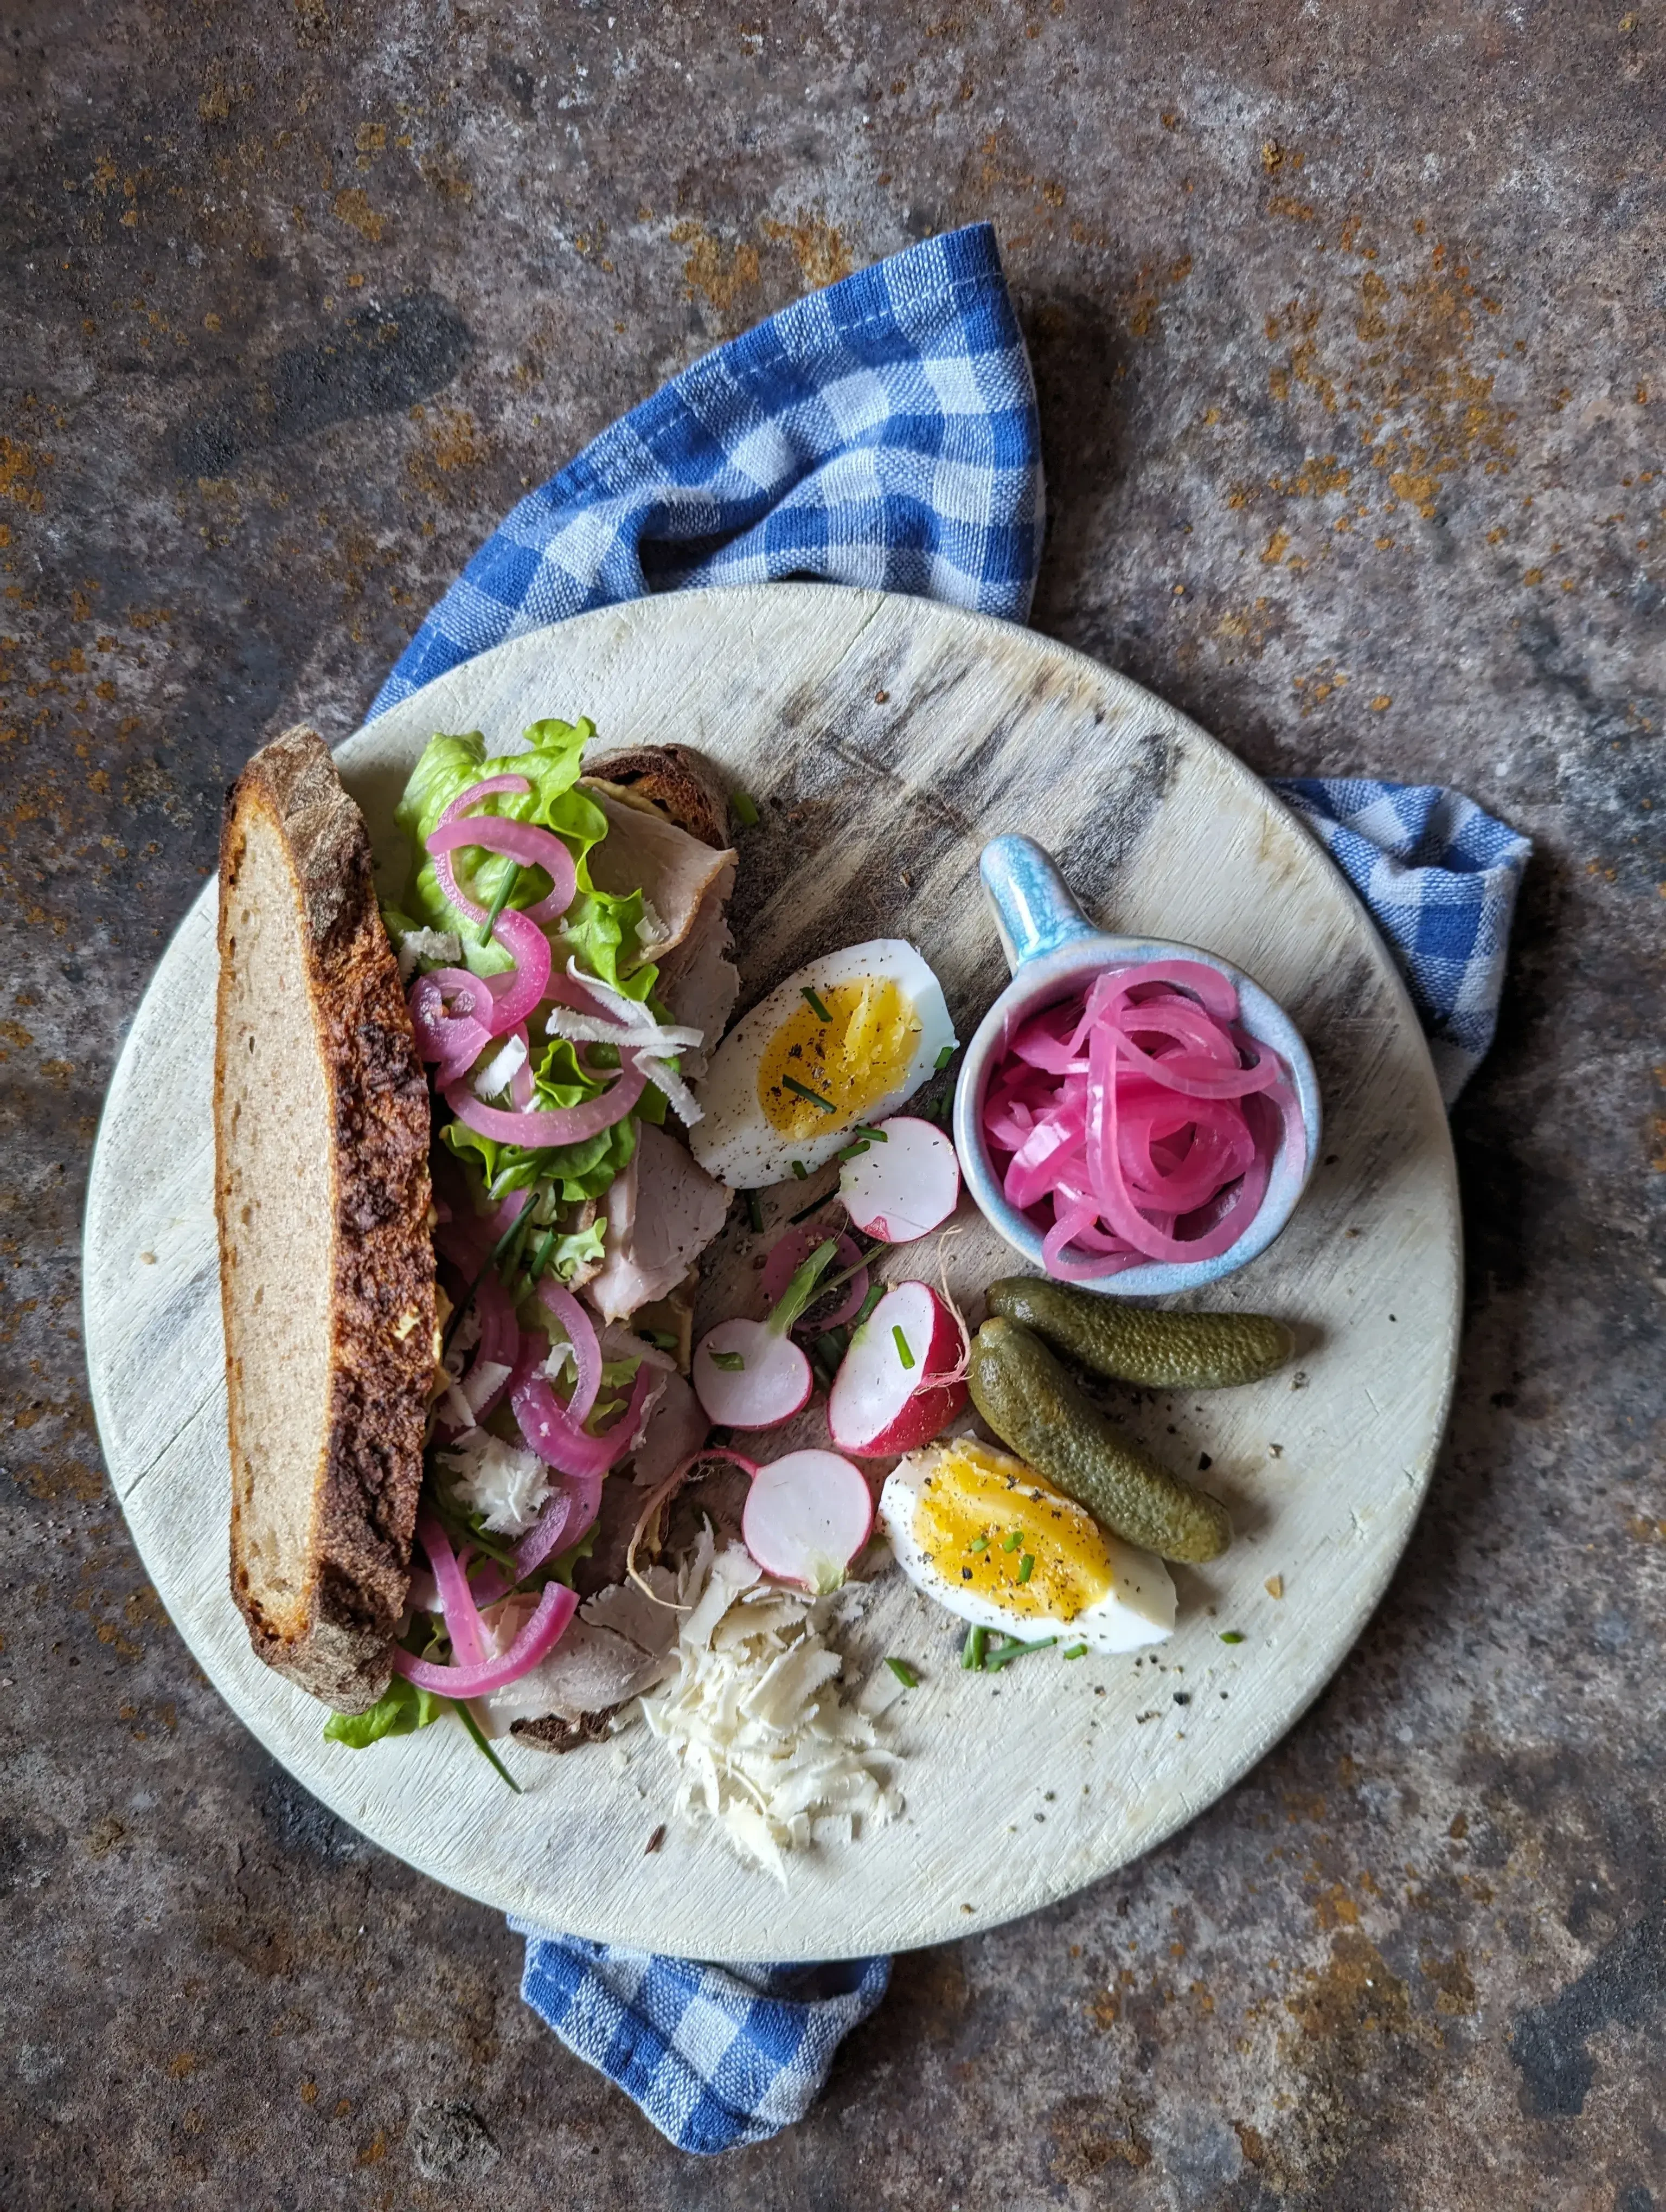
x,y
1041,980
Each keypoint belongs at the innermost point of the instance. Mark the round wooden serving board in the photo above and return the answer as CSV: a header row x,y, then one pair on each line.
x,y
885,739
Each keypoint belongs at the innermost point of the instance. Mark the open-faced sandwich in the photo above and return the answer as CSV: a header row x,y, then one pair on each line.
x,y
400,1263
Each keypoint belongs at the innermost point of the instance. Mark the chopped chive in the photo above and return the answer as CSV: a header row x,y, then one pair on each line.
x,y
855,1151
978,1544
902,1344
1027,1566
746,809
1013,1540
1230,1636
515,1229
814,1206
540,1259
732,1363
660,1337
515,1243
904,1674
800,1170
876,1291
874,1136
500,900
816,1006
1012,1649
481,1744
971,1656
754,1212
803,1090
1076,1651
944,1058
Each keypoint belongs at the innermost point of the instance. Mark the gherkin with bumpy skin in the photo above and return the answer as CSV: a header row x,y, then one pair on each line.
x,y
1131,1344
1033,1405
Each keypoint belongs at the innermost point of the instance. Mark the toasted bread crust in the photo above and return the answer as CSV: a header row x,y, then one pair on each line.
x,y
551,1733
337,1644
674,781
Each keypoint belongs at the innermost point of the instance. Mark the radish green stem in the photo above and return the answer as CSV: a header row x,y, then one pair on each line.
x,y
799,1291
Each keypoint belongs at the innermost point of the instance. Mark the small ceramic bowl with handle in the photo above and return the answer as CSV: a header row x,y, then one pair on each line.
x,y
1054,953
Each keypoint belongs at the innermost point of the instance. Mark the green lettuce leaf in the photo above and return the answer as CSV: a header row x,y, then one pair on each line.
x,y
576,1172
401,1709
602,929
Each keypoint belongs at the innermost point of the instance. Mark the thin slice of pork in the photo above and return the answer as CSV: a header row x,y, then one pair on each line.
x,y
661,1214
674,871
698,982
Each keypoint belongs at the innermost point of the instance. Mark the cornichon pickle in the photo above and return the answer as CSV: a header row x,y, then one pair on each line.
x,y
1158,1351
1031,1404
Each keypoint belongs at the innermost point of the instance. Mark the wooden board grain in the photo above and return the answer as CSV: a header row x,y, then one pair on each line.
x,y
887,738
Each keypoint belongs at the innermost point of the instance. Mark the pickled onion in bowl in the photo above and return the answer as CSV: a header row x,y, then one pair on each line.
x,y
1137,1121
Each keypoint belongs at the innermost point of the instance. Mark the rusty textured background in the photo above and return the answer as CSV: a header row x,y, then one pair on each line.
x,y
1347,321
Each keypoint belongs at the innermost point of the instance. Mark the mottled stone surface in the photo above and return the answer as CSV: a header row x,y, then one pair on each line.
x,y
1348,327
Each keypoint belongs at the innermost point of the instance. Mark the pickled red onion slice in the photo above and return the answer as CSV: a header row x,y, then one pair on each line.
x,y
526,841
556,1607
587,1346
457,1603
1139,1120
554,1125
455,1035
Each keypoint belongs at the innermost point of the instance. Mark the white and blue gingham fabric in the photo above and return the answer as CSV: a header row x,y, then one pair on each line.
x,y
880,433
1440,878
716,2055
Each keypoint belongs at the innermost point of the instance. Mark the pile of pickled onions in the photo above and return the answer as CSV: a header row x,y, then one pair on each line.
x,y
1139,1120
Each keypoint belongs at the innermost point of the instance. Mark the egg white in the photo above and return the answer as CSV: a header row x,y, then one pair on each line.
x,y
734,1140
1139,1608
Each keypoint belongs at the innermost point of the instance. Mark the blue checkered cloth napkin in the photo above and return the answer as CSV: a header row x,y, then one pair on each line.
x,y
716,2055
880,433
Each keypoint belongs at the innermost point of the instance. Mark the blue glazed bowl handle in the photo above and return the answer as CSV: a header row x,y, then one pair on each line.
x,y
1034,909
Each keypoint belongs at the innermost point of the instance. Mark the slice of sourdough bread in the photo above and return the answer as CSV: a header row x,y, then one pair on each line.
x,y
326,1258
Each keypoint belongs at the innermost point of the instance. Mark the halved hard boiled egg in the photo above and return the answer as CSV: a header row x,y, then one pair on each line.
x,y
994,1542
844,1040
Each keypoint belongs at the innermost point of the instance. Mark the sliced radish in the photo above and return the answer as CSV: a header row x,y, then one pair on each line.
x,y
901,1381
903,1186
790,1251
807,1516
749,1374
748,1378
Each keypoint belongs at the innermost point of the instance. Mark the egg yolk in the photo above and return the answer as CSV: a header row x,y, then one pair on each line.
x,y
858,1055
994,1526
